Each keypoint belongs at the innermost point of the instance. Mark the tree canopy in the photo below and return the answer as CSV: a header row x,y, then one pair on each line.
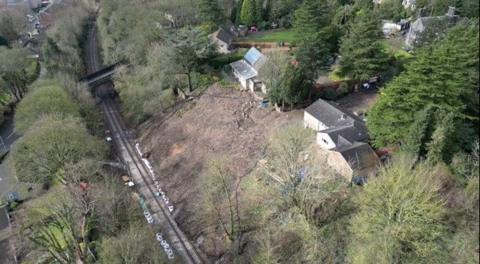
x,y
444,74
12,23
361,50
45,99
249,13
185,51
16,70
210,11
62,49
400,216
51,143
315,36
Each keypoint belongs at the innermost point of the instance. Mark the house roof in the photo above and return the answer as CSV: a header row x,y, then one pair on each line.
x,y
255,58
360,156
223,35
347,135
231,28
331,116
443,21
245,70
438,25
251,63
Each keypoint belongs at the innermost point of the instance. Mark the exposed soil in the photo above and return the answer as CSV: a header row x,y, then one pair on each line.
x,y
221,123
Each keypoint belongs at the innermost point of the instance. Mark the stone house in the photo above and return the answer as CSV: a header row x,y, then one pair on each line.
x,y
432,27
345,136
223,39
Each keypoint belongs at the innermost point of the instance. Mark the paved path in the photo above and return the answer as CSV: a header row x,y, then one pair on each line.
x,y
8,137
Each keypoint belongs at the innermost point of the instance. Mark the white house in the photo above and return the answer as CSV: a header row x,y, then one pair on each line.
x,y
345,136
334,127
246,69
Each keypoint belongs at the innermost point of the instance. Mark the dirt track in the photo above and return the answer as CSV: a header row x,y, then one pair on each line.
x,y
222,123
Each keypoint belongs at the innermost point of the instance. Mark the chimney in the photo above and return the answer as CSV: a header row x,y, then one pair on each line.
x,y
451,11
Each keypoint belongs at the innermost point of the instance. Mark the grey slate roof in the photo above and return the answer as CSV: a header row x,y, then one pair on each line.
x,y
359,155
224,35
437,24
341,135
331,116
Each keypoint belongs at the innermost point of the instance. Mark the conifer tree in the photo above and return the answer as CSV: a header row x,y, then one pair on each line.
x,y
293,87
440,148
249,14
210,11
314,34
421,131
444,74
361,49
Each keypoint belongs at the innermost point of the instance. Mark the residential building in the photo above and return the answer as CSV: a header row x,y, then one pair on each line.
x,y
223,39
246,70
345,136
409,4
430,27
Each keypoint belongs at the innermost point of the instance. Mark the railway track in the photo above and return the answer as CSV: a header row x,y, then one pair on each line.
x,y
138,170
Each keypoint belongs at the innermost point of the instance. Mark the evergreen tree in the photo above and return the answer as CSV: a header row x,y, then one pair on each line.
x,y
363,4
441,147
295,85
391,10
314,34
186,50
236,12
420,132
445,75
361,49
210,11
293,88
249,14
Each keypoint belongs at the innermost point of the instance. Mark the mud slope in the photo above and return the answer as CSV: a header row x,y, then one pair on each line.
x,y
222,123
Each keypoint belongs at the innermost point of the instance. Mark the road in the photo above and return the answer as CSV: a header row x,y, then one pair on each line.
x,y
7,183
7,137
164,223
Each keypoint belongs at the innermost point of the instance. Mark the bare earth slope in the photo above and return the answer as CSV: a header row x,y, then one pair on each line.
x,y
222,123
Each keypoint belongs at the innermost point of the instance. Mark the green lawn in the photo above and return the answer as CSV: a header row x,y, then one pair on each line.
x,y
272,36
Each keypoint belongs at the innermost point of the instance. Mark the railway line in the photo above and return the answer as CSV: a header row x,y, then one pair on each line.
x,y
143,178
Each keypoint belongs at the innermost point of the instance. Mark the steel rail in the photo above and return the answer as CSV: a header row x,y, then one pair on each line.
x,y
118,127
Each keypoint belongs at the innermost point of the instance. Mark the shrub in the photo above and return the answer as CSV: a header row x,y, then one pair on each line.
x,y
343,89
330,94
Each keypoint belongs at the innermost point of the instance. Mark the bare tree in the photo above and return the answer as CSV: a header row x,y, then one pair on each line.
x,y
221,199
